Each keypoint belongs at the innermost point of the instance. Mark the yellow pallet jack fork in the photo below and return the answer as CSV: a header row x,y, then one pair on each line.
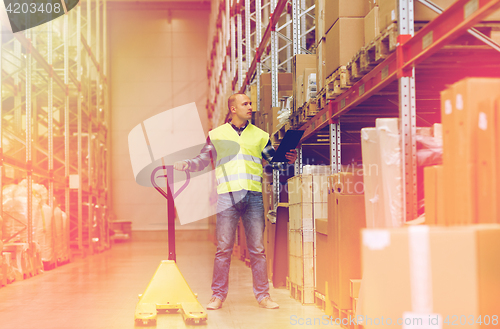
x,y
168,290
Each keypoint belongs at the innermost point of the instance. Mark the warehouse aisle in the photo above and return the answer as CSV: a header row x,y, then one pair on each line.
x,y
100,292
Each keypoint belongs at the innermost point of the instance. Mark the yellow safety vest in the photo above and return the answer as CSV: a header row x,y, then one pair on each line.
x,y
239,158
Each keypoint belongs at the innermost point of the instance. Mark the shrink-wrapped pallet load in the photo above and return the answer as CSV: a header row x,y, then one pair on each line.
x,y
15,207
390,168
66,236
59,234
382,174
42,217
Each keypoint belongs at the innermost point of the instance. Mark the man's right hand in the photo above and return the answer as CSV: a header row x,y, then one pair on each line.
x,y
181,165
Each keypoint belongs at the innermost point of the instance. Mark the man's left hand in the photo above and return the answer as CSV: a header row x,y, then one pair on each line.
x,y
291,156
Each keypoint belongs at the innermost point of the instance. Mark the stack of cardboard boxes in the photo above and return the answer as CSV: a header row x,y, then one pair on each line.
x,y
344,31
346,218
266,118
431,277
412,272
466,185
307,201
343,27
302,67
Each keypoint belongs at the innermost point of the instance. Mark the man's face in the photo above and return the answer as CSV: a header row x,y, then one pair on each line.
x,y
243,107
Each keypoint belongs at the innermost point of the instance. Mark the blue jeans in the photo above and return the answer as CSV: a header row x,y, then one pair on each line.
x,y
249,206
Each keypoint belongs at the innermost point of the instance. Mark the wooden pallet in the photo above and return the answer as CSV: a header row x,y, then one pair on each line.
x,y
295,119
368,61
370,56
342,317
309,110
295,293
280,132
321,99
336,84
354,68
387,41
319,300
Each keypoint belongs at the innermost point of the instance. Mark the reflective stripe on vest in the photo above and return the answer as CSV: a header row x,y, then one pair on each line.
x,y
240,156
229,178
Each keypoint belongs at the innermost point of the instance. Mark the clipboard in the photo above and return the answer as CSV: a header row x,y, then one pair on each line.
x,y
289,142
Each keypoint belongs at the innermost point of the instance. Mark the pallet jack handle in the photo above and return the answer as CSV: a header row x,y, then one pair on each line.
x,y
170,202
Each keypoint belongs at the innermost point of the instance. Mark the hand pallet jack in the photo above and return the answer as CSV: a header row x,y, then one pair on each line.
x,y
168,291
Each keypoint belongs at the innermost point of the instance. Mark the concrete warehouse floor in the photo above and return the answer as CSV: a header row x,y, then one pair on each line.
x,y
100,292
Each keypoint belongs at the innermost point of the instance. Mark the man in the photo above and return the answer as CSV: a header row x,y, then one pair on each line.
x,y
239,176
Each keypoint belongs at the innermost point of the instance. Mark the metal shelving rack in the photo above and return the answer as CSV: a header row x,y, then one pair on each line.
x,y
54,78
408,79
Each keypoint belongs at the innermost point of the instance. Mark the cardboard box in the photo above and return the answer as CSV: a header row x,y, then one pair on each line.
x,y
343,41
346,219
354,290
256,119
319,20
299,64
372,3
471,251
320,188
299,93
430,195
265,99
440,206
300,189
284,79
448,144
354,302
350,182
497,158
306,86
285,93
388,13
253,97
487,138
320,65
322,253
274,119
335,9
265,122
460,114
371,26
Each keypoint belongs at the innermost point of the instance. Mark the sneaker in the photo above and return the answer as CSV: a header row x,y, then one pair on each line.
x,y
268,303
215,304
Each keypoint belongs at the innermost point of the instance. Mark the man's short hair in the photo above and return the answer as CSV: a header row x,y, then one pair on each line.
x,y
232,99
